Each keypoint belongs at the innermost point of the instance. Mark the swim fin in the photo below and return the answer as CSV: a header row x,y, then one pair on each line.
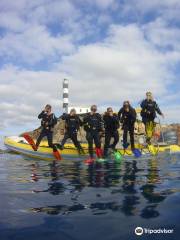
x,y
125,145
30,141
137,153
99,152
117,156
57,155
152,149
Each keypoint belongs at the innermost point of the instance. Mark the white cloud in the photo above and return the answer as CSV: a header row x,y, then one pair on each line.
x,y
29,33
172,113
125,65
160,34
34,44
130,60
149,5
104,3
8,5
15,15
53,11
101,4
24,93
12,22
167,9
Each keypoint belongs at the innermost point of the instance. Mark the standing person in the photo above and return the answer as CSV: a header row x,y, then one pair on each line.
x,y
127,116
149,108
93,125
111,124
72,126
48,121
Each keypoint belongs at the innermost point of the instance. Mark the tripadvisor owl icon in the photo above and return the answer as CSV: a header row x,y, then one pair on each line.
x,y
139,231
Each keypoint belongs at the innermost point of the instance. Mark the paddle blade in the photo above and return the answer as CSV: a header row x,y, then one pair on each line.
x,y
30,141
57,155
136,153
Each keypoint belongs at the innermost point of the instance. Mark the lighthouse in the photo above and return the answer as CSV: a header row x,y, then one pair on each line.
x,y
65,95
66,107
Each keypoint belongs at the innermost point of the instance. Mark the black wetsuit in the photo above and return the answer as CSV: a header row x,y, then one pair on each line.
x,y
111,124
128,120
93,124
149,109
72,124
47,123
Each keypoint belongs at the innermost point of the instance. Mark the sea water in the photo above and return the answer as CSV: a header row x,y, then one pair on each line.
x,y
69,200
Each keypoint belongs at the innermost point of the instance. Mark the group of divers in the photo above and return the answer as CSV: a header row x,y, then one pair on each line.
x,y
96,124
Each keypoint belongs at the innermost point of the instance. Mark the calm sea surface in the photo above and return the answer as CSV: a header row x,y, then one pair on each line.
x,y
72,201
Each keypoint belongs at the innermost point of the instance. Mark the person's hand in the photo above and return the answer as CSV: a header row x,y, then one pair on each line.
x,y
162,115
48,112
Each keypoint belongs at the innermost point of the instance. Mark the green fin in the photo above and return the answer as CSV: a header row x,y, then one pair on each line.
x,y
117,156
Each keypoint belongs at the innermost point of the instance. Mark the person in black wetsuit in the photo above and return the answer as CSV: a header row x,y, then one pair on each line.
x,y
127,116
48,121
93,125
111,124
149,108
72,126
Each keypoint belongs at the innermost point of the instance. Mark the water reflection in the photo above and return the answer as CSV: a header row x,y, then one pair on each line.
x,y
149,192
62,199
133,188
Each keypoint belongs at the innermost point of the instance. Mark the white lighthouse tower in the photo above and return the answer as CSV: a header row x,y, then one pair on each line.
x,y
66,107
65,95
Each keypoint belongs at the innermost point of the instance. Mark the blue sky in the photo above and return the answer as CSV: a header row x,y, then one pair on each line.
x,y
110,50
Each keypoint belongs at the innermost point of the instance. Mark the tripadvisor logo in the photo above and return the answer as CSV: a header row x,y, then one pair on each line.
x,y
139,231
